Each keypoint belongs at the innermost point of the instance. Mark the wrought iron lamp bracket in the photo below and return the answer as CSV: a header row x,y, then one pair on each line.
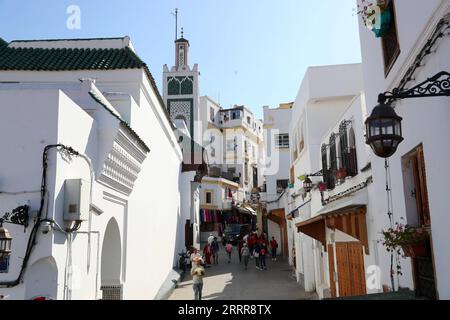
x,y
19,216
317,174
436,86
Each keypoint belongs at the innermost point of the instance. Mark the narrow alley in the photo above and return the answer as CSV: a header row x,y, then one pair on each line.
x,y
229,281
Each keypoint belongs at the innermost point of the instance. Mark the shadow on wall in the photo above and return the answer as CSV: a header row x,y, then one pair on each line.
x,y
42,280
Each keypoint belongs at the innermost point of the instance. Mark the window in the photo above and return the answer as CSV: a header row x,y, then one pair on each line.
x,y
333,162
352,160
231,145
211,114
343,147
325,170
282,185
4,265
415,188
390,43
235,114
282,141
249,120
254,152
209,197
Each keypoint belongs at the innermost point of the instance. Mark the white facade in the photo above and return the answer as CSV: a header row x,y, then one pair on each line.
x,y
120,242
322,99
422,125
276,131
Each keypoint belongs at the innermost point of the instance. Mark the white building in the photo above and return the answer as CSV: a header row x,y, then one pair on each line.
x,y
114,234
276,173
233,139
322,99
414,48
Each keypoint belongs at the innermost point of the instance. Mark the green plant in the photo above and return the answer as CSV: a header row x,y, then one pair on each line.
x,y
399,235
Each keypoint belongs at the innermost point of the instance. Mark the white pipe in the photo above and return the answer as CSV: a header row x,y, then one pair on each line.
x,y
98,258
92,173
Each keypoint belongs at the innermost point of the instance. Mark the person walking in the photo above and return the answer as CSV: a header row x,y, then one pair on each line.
x,y
262,257
251,244
245,253
240,246
256,251
273,248
207,252
229,249
197,272
210,238
215,250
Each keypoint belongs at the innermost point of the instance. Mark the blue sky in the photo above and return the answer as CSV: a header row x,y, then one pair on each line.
x,y
251,52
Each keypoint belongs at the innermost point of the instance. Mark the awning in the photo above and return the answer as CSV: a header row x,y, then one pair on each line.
x,y
350,220
246,210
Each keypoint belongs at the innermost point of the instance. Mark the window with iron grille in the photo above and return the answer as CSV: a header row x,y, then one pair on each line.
x,y
282,141
325,164
113,292
352,159
333,162
390,43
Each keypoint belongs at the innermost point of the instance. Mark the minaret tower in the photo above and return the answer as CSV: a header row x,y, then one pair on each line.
x,y
182,52
181,89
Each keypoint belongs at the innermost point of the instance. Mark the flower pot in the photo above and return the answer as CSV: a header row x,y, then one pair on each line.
x,y
384,25
341,174
414,250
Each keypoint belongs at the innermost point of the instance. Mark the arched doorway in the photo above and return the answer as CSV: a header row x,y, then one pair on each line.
x,y
111,263
42,280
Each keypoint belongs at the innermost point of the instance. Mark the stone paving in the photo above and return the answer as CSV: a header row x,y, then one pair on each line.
x,y
231,282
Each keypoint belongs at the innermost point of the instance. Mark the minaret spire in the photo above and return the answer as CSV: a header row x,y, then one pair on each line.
x,y
176,23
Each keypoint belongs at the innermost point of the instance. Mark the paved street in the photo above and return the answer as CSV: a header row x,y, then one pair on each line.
x,y
232,282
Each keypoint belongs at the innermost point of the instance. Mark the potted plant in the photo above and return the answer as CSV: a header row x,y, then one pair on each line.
x,y
376,15
412,240
341,174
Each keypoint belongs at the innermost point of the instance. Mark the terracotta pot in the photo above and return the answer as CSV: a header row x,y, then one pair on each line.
x,y
414,250
341,174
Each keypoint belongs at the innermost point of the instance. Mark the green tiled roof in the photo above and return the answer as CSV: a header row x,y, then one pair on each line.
x,y
73,59
62,59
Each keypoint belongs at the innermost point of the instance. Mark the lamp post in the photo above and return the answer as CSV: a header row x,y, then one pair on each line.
x,y
384,126
18,216
307,185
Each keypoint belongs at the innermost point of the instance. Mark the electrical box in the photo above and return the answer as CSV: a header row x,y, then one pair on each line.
x,y
76,200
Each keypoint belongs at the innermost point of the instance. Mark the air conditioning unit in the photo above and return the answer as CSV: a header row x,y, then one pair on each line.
x,y
76,200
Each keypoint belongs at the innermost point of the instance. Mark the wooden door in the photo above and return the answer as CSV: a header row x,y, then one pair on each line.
x,y
350,268
356,263
332,270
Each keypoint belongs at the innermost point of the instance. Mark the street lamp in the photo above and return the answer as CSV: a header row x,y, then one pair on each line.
x,y
5,243
307,185
384,128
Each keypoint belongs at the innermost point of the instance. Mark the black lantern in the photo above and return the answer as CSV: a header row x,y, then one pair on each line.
x,y
384,130
384,126
307,184
5,243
